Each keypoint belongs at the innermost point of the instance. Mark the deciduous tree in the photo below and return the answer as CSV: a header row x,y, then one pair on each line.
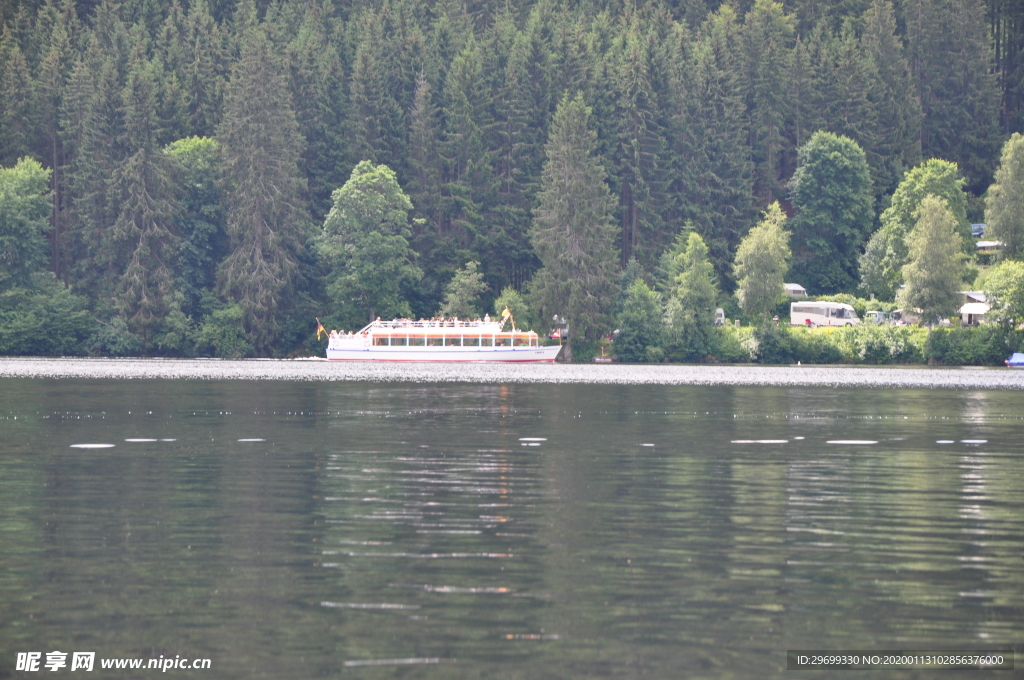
x,y
934,274
1004,202
762,261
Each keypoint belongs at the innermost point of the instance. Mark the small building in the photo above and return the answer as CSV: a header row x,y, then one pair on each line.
x,y
795,290
978,230
975,307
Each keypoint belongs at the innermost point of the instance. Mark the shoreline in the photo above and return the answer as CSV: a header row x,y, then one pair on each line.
x,y
319,370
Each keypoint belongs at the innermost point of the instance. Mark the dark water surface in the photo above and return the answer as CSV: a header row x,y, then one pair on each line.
x,y
315,529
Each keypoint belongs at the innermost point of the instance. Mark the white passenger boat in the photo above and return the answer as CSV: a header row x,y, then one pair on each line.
x,y
402,340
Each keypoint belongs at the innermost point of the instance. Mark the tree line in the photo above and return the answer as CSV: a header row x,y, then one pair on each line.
x,y
207,176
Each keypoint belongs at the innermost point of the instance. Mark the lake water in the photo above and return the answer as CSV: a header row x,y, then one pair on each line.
x,y
288,529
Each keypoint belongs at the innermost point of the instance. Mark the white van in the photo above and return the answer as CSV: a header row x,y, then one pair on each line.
x,y
815,314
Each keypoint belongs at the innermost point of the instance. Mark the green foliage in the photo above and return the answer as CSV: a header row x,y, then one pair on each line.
x,y
462,293
267,219
986,345
203,237
934,274
113,338
572,230
690,312
772,344
365,245
24,220
522,311
888,250
831,192
223,332
1004,284
640,324
43,318
761,265
1004,202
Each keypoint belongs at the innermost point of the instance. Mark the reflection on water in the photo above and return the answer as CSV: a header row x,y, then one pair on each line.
x,y
452,531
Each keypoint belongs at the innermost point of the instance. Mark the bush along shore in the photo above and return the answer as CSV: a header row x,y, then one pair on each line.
x,y
986,345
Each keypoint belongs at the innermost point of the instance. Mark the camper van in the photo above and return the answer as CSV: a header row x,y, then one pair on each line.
x,y
816,314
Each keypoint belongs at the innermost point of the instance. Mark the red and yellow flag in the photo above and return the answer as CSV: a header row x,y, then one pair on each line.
x,y
320,329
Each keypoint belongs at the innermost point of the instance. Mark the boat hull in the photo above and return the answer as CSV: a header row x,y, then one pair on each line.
x,y
446,354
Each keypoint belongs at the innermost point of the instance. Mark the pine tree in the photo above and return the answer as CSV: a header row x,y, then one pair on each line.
x,y
952,64
639,148
766,34
267,219
690,312
895,97
714,165
17,101
317,82
572,230
204,70
469,188
142,191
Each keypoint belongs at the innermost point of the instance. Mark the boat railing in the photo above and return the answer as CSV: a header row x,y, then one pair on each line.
x,y
404,324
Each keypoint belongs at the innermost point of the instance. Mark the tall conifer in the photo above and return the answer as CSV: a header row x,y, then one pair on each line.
x,y
267,218
573,232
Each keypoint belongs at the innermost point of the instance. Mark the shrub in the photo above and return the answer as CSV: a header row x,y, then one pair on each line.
x,y
986,345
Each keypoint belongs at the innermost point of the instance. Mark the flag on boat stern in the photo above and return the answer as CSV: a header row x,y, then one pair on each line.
x,y
320,329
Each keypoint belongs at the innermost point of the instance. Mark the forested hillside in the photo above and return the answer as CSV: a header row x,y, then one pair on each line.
x,y
171,169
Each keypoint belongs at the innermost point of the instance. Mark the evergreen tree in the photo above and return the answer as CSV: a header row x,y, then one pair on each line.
x,y
203,240
317,82
1004,202
142,234
952,64
469,189
713,162
572,229
17,101
462,293
767,32
690,313
762,261
831,192
897,104
204,69
365,245
640,325
267,219
934,274
639,147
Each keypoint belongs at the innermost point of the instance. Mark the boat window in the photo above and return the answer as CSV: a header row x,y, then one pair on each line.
x,y
501,342
400,341
435,341
417,340
487,342
452,341
470,341
380,340
522,341
533,342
